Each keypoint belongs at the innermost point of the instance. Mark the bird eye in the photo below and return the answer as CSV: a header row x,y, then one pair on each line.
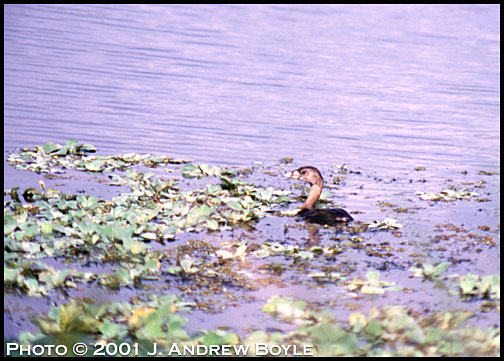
x,y
303,172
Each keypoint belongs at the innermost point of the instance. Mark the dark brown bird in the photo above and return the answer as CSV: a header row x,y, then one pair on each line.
x,y
329,216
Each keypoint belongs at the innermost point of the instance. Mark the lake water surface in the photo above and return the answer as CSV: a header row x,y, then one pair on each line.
x,y
407,96
388,87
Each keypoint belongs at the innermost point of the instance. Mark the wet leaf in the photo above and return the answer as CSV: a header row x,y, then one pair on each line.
x,y
46,228
50,147
86,148
11,274
371,290
374,328
212,338
357,321
190,171
112,330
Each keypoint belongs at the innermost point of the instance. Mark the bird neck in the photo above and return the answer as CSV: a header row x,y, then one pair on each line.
x,y
313,196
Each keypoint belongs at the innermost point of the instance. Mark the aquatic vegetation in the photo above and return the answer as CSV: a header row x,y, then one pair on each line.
x,y
386,331
446,195
187,266
287,308
149,321
295,252
429,271
239,253
395,331
55,158
482,172
386,224
372,285
38,279
56,224
287,160
460,234
471,286
327,276
223,257
206,170
342,168
397,209
213,207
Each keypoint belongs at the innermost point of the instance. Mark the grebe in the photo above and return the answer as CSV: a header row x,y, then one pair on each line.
x,y
329,216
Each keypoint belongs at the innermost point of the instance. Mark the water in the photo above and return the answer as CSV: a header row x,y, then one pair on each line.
x,y
384,89
388,87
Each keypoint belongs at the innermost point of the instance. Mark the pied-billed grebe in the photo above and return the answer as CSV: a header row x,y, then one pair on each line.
x,y
329,216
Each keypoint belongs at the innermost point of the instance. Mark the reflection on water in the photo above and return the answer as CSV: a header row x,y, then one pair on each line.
x,y
392,87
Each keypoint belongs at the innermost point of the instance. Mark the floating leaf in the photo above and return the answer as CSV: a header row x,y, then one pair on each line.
x,y
50,147
46,228
190,171
86,148
112,330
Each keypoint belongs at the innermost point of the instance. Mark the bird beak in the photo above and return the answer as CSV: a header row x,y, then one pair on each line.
x,y
293,175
